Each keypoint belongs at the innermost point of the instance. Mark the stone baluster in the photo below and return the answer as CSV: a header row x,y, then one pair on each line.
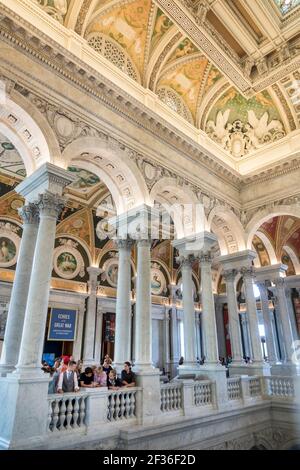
x,y
19,294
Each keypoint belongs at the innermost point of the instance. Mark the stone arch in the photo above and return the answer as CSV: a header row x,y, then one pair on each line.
x,y
28,131
293,257
181,204
265,214
268,246
226,225
113,167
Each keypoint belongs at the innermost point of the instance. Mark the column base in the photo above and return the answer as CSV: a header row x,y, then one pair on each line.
x,y
6,369
33,373
24,409
148,399
249,369
285,369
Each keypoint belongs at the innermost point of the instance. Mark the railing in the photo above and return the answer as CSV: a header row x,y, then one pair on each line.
x,y
281,387
121,405
234,388
203,394
66,412
170,397
255,386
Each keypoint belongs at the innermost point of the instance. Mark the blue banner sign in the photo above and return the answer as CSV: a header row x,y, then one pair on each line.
x,y
62,325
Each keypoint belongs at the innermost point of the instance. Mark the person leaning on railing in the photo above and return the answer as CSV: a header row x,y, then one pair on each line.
x,y
128,378
67,382
113,382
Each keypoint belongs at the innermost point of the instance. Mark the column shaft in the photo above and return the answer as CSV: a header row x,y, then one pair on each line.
x,y
248,275
233,314
270,340
123,305
188,311
143,321
19,294
90,319
285,320
38,296
208,312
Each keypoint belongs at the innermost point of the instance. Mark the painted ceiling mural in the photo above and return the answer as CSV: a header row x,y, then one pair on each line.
x,y
286,6
140,39
10,160
283,233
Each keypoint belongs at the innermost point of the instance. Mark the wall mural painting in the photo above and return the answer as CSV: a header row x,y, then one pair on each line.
x,y
285,259
85,180
185,48
286,6
127,24
8,250
213,76
9,243
68,262
240,125
109,276
186,81
260,249
161,26
158,280
10,160
77,225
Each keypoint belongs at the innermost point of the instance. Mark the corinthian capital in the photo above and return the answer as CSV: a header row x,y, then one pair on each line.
x,y
205,258
279,282
247,272
186,261
29,214
50,205
126,243
230,274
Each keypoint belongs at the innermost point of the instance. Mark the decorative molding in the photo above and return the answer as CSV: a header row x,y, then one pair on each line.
x,y
29,214
50,205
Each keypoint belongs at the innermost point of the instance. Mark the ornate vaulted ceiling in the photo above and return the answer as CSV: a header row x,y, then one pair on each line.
x,y
230,68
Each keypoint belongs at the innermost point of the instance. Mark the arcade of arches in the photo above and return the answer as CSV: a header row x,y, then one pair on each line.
x,y
149,194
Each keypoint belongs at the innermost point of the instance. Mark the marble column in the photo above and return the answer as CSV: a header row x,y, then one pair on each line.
x,y
19,294
167,338
246,334
233,315
190,354
248,276
78,343
143,320
285,320
90,318
174,332
291,311
208,311
32,342
123,305
98,335
270,339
